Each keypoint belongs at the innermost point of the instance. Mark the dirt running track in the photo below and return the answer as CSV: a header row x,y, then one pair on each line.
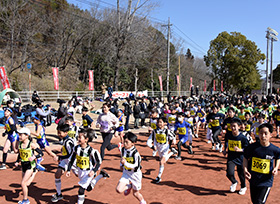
x,y
198,178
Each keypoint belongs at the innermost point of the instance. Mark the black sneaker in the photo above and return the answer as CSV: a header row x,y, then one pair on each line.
x,y
56,197
190,150
3,166
104,173
277,136
158,179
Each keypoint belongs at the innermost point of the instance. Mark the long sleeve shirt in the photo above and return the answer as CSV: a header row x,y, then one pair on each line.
x,y
107,121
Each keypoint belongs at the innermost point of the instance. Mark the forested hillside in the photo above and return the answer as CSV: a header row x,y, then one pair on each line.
x,y
123,47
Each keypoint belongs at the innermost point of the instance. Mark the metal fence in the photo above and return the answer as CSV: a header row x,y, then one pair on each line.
x,y
67,95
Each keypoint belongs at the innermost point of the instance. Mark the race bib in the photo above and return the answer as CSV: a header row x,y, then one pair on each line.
x,y
278,117
82,162
228,127
234,143
153,126
215,123
64,152
242,117
182,131
257,131
260,165
85,124
199,115
192,113
161,138
25,154
71,133
248,127
8,128
39,137
129,160
171,119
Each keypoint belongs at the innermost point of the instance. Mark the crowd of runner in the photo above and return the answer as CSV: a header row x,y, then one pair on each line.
x,y
237,126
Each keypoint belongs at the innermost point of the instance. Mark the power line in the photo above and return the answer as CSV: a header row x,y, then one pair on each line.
x,y
190,38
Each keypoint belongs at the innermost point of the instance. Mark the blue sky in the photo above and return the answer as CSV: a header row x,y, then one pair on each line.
x,y
201,20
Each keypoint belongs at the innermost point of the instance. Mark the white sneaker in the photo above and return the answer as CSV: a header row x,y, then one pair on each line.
x,y
233,187
154,153
217,147
196,135
208,141
242,191
143,126
221,148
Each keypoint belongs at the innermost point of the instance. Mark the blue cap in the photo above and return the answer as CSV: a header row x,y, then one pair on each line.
x,y
8,109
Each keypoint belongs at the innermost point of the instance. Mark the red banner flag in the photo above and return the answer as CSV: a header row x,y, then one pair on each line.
x,y
160,83
178,82
222,86
204,86
55,78
4,78
90,80
190,83
214,85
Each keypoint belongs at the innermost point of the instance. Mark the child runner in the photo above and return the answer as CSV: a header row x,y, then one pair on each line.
x,y
261,163
73,132
12,136
67,149
182,129
276,119
246,133
160,138
42,142
153,126
201,118
87,120
27,158
120,130
88,161
236,142
255,128
130,165
215,119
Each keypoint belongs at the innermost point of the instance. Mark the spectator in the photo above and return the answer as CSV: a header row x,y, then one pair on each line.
x,y
136,114
41,113
131,96
35,97
110,91
144,112
127,112
103,90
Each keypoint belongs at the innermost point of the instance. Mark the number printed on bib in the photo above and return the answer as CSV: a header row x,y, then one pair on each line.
x,y
25,154
232,144
71,133
228,127
182,131
199,115
278,117
248,127
85,124
129,160
161,138
171,119
8,128
215,123
64,152
153,126
82,162
260,165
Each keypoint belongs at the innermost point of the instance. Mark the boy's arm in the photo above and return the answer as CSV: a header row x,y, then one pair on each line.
x,y
97,158
71,162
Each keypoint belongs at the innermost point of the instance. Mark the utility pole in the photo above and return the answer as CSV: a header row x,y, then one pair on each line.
x,y
271,34
168,54
179,85
267,61
271,72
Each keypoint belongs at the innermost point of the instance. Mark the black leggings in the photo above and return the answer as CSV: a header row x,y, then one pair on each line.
x,y
240,170
259,194
216,135
180,149
106,143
